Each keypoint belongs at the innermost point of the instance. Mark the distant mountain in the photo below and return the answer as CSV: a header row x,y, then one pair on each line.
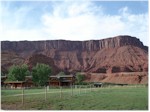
x,y
111,55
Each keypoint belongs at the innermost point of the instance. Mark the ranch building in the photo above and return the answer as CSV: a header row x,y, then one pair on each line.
x,y
64,80
15,84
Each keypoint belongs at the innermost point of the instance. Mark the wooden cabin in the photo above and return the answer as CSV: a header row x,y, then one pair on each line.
x,y
15,84
29,82
64,80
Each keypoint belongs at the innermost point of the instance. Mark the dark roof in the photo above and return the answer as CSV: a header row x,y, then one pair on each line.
x,y
66,81
9,82
58,76
54,76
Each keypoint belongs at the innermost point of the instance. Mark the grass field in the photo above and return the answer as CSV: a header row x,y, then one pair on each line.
x,y
114,98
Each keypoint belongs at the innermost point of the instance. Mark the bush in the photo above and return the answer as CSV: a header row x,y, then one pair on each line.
x,y
79,78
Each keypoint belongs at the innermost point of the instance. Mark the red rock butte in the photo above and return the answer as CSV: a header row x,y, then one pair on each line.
x,y
123,55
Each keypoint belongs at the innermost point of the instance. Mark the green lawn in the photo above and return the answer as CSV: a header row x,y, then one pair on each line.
x,y
26,91
114,98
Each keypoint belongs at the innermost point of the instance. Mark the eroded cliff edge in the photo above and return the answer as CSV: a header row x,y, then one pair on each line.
x,y
111,55
65,45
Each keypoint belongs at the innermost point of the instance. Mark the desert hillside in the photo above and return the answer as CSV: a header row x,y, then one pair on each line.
x,y
116,55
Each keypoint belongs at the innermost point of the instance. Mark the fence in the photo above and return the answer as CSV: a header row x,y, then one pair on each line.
x,y
26,95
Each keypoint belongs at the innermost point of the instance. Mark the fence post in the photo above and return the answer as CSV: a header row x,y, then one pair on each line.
x,y
60,92
22,95
80,89
71,90
90,87
86,88
45,93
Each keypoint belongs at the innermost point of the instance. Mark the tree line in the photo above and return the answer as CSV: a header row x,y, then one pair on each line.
x,y
40,74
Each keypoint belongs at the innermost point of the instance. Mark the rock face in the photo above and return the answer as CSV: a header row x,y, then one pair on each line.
x,y
119,78
63,45
8,59
111,55
39,58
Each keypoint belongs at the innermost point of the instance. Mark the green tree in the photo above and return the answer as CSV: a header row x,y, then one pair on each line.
x,y
79,78
18,73
40,74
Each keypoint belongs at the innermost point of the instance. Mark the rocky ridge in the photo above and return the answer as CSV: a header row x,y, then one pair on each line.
x,y
111,55
65,45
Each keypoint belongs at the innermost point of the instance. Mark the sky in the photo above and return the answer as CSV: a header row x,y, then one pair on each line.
x,y
72,20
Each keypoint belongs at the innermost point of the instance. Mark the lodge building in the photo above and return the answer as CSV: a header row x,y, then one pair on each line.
x,y
15,84
57,80
64,80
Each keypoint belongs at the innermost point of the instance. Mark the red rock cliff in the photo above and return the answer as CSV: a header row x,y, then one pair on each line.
x,y
91,45
111,55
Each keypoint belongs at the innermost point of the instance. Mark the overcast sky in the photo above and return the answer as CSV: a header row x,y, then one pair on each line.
x,y
73,20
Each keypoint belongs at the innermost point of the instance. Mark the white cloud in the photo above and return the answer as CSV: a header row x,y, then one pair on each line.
x,y
19,34
78,21
91,25
14,22
135,25
0,18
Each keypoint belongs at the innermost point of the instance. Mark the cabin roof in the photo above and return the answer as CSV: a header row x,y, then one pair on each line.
x,y
58,76
14,82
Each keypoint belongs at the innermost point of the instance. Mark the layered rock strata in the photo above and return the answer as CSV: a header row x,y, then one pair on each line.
x,y
111,55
